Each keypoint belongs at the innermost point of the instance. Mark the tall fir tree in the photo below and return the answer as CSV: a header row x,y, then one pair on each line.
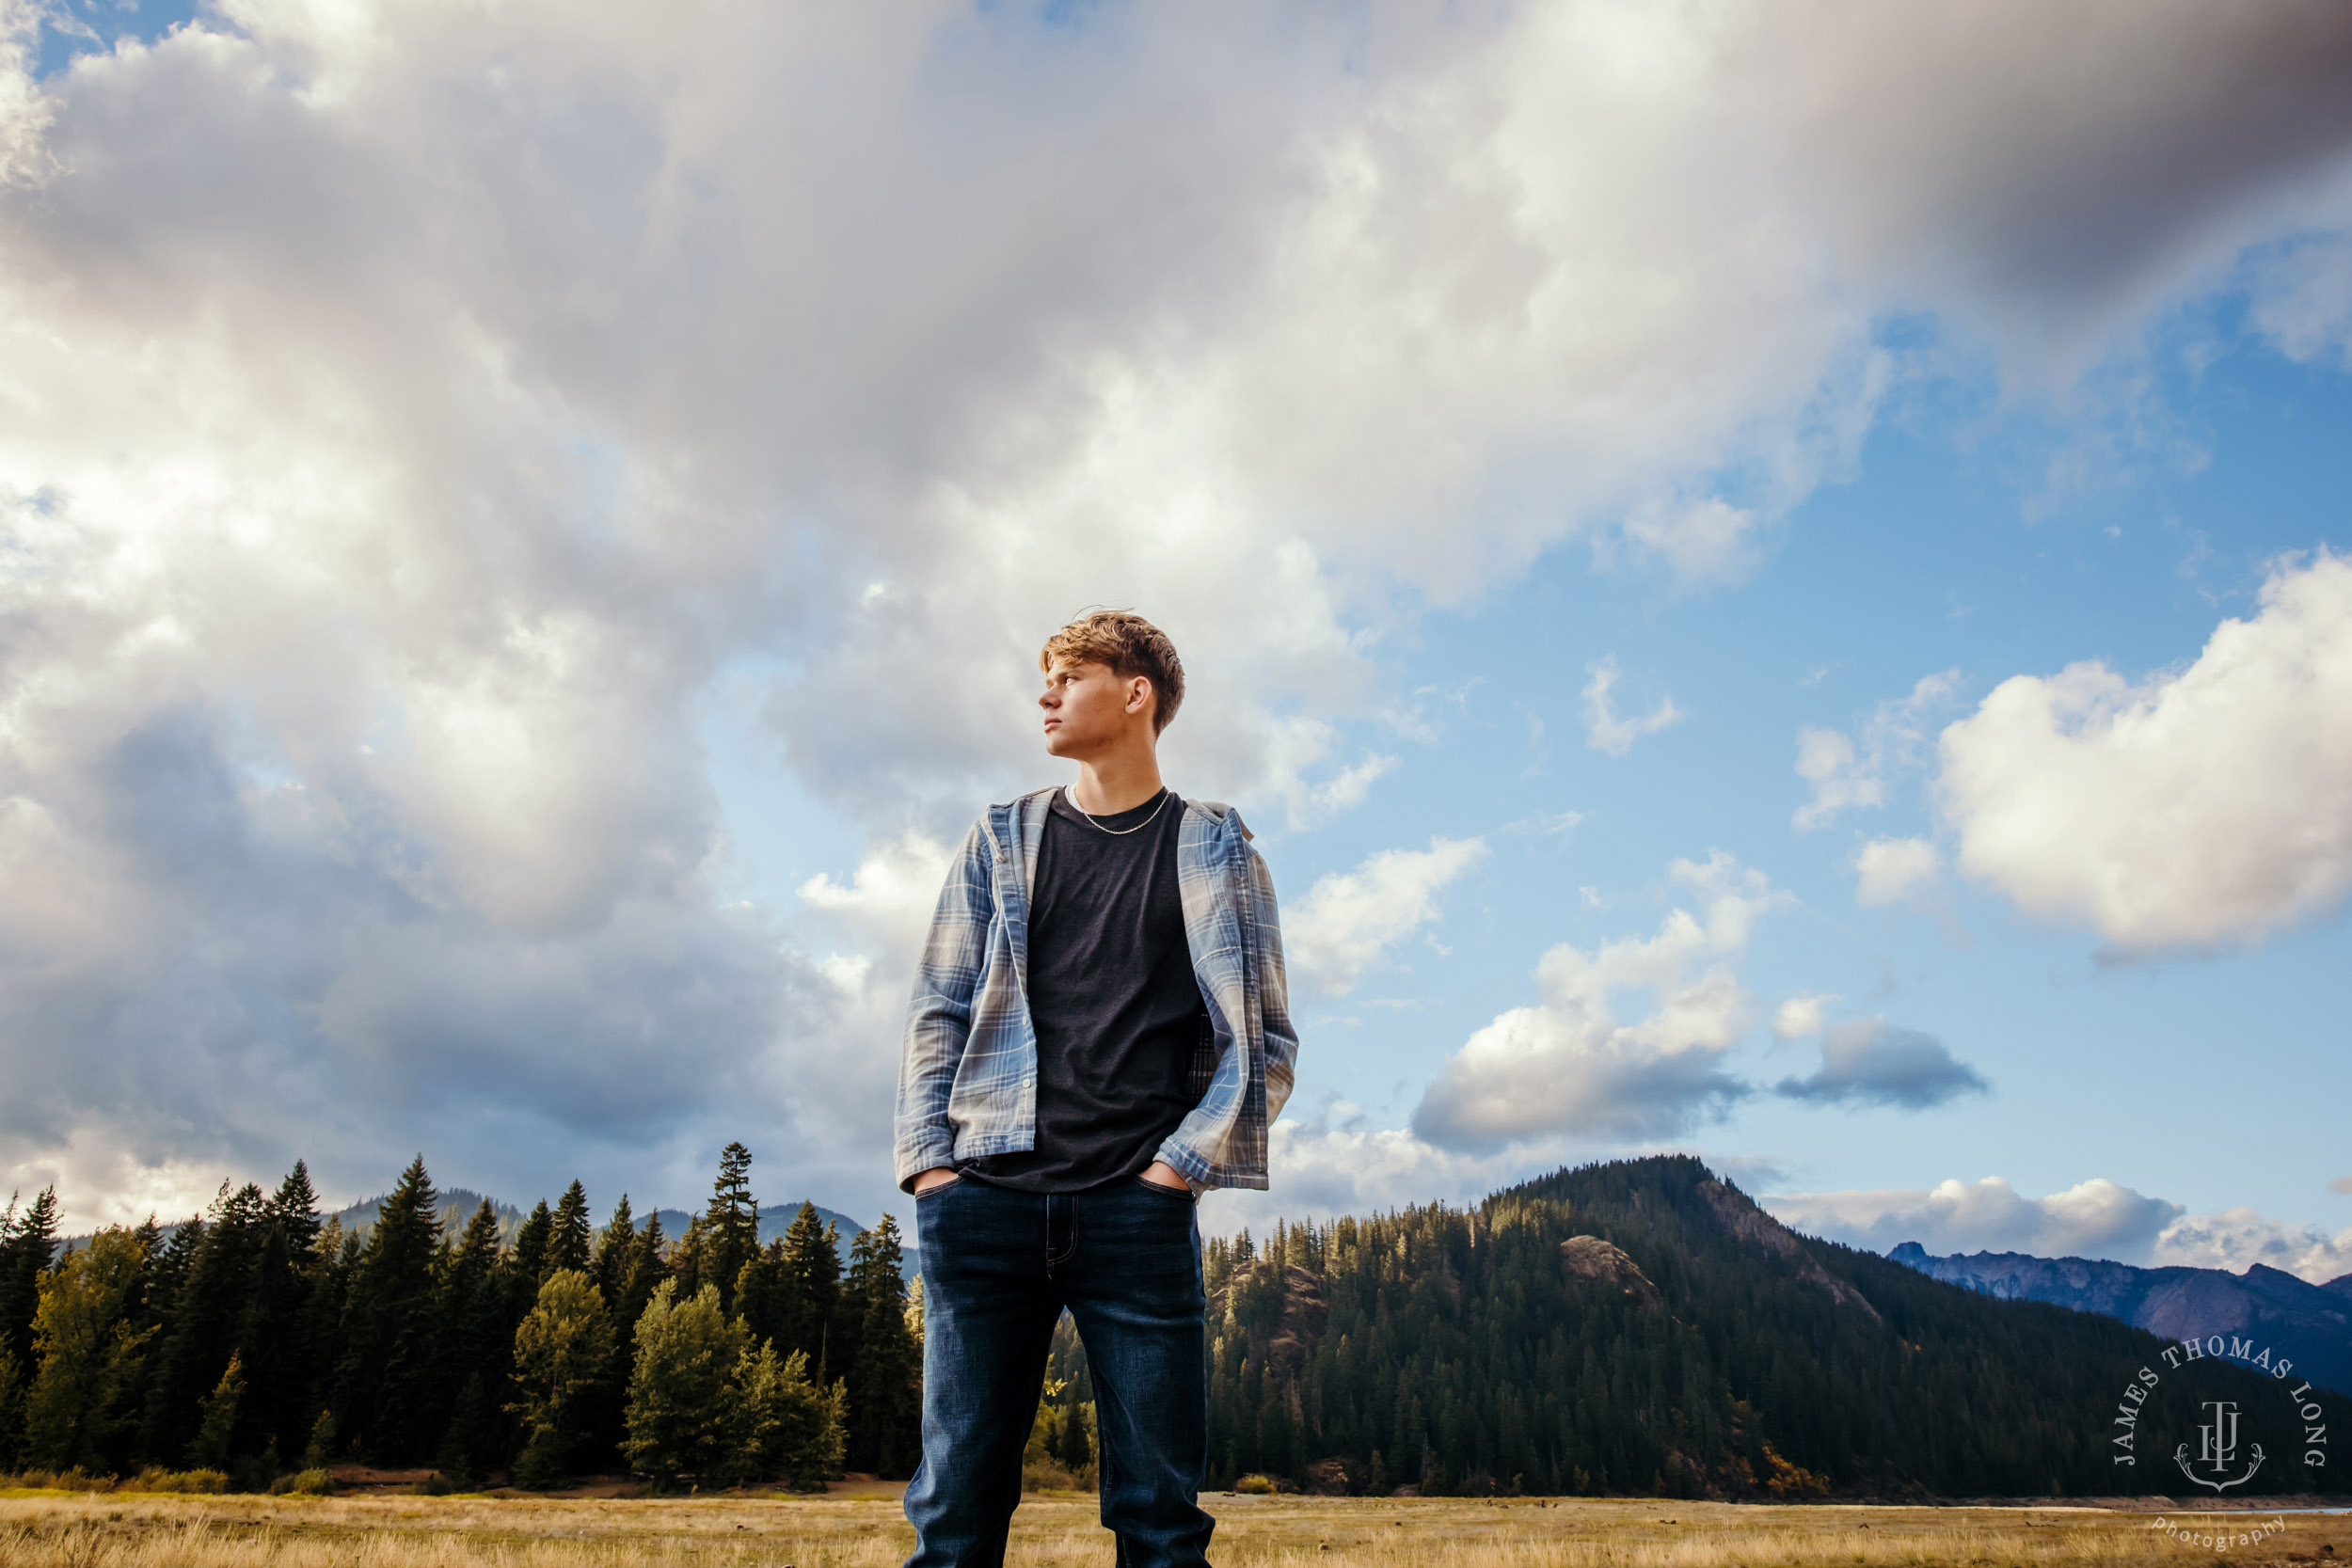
x,y
385,1385
569,1232
812,1260
884,1392
475,1348
210,1318
731,1224
609,1267
27,1240
280,1394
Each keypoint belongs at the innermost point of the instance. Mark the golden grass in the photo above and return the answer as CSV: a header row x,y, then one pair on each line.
x,y
130,1530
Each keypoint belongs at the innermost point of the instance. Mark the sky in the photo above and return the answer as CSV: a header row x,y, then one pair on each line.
x,y
1774,582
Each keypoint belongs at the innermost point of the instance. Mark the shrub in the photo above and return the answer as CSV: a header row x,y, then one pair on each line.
x,y
303,1483
204,1481
1261,1486
434,1486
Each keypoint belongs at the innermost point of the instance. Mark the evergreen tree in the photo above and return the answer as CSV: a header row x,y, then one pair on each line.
x,y
562,1352
529,1263
610,1267
885,1389
216,1418
642,1272
474,1352
27,1241
680,1420
78,1411
784,1426
281,1389
568,1233
812,1260
731,1224
208,1318
385,1382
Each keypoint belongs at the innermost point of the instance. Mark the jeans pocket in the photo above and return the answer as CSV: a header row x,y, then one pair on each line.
x,y
938,1187
1179,1193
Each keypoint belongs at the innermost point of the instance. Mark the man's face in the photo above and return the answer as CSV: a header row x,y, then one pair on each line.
x,y
1088,708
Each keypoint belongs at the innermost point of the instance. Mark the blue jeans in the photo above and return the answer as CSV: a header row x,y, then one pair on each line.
x,y
998,1267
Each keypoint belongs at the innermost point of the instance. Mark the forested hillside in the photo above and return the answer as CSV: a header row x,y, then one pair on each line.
x,y
258,1339
1641,1327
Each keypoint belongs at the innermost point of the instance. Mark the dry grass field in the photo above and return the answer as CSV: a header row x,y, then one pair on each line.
x,y
131,1531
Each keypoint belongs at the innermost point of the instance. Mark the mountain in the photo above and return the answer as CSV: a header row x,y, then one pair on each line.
x,y
774,1222
457,1207
1641,1327
2310,1324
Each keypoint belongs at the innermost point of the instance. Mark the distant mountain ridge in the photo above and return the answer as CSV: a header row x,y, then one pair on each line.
x,y
2310,1324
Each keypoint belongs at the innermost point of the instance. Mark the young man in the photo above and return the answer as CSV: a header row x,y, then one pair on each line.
x,y
1100,1031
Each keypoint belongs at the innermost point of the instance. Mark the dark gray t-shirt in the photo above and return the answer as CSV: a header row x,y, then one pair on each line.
x,y
1113,998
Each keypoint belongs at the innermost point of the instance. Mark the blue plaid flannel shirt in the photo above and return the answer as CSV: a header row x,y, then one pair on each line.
x,y
967,1073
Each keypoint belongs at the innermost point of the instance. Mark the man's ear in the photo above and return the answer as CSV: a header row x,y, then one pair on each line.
x,y
1139,693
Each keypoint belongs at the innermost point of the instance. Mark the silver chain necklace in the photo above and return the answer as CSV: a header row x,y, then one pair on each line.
x,y
1070,793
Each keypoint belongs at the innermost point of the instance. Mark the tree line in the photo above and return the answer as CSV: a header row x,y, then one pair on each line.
x,y
258,1339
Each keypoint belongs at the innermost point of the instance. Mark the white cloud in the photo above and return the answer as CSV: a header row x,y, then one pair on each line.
x,y
2092,1219
1799,1018
1603,730
893,891
1337,1165
419,411
2235,1239
1869,1061
1847,777
1313,805
2200,806
1346,922
1888,870
1568,1066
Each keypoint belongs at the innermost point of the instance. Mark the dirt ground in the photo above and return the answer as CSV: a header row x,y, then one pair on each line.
x,y
386,1531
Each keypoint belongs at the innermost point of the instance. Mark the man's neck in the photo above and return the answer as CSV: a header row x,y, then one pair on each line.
x,y
1118,781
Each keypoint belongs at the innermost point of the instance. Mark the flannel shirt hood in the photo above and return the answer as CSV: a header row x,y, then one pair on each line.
x,y
967,1069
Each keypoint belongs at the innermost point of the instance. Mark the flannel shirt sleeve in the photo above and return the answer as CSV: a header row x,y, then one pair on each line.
x,y
1274,990
939,1017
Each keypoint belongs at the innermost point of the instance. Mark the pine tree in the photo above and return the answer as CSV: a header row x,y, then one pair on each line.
x,y
384,1383
885,1389
568,1235
731,1224
27,1241
474,1347
610,1267
280,1390
812,1258
679,1416
78,1410
208,1318
783,1425
216,1418
562,1352
531,1242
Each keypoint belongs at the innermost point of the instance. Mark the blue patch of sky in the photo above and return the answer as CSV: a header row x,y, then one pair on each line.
x,y
71,28
1949,549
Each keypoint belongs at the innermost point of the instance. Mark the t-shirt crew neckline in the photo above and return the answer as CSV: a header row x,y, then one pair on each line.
x,y
1112,821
